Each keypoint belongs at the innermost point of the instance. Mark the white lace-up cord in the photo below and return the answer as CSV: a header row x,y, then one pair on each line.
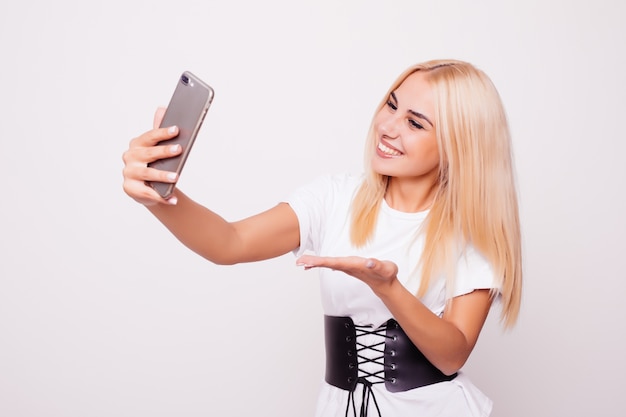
x,y
365,378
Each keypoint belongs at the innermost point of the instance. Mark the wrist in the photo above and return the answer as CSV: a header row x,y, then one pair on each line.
x,y
387,289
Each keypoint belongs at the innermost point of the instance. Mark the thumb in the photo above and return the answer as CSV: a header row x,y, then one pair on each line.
x,y
385,268
158,117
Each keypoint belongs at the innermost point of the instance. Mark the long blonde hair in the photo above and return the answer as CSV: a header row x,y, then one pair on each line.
x,y
476,199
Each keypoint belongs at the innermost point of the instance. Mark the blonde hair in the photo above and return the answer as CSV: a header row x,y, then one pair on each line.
x,y
476,199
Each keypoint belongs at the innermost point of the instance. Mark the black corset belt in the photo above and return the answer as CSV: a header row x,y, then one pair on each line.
x,y
404,366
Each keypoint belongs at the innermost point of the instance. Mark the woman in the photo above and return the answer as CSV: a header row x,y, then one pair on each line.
x,y
411,255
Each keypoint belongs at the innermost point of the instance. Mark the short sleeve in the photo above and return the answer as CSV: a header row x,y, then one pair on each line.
x,y
322,207
308,202
474,272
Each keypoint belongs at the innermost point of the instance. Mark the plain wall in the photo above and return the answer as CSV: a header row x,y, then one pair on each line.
x,y
103,313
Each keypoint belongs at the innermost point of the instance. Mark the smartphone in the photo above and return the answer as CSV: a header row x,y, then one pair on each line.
x,y
188,106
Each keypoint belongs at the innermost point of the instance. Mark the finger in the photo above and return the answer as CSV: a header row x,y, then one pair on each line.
x,y
307,261
345,264
153,153
145,194
310,261
158,117
154,136
143,173
145,155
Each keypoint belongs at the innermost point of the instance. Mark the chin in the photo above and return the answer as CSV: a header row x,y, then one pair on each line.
x,y
381,169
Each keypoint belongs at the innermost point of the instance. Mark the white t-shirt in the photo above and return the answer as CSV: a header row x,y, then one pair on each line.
x,y
323,211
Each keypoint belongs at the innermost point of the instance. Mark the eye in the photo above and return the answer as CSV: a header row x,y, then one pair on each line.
x,y
415,124
392,105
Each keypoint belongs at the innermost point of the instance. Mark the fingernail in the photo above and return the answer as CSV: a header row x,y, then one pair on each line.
x,y
171,130
369,264
174,148
172,201
171,176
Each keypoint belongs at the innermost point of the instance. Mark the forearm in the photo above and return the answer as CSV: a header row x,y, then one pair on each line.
x,y
448,341
265,235
262,236
200,229
441,341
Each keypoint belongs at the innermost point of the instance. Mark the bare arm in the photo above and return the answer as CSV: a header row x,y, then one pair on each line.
x,y
265,235
448,341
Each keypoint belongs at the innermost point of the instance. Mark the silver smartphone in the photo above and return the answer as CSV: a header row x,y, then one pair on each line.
x,y
187,108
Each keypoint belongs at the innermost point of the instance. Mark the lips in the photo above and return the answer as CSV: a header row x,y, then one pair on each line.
x,y
385,150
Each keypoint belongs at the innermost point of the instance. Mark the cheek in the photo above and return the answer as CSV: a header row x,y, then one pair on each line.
x,y
434,156
434,151
427,152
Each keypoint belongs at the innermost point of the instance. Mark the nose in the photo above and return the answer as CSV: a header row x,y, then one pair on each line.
x,y
390,126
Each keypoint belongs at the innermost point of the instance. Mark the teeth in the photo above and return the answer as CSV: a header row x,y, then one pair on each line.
x,y
388,151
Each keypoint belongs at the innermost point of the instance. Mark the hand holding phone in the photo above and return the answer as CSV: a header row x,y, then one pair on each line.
x,y
188,106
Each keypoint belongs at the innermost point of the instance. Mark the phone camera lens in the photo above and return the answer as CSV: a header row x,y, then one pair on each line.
x,y
185,79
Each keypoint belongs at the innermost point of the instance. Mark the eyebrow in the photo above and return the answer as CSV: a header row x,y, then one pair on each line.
x,y
413,112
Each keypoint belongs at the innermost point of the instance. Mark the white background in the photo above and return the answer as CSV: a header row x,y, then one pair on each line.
x,y
103,313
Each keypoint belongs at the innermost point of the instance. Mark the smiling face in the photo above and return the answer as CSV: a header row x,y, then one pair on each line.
x,y
406,141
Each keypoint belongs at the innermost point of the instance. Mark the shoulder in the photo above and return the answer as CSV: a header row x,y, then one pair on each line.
x,y
321,205
474,271
323,197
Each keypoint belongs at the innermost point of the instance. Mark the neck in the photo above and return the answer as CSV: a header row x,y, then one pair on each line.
x,y
410,195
